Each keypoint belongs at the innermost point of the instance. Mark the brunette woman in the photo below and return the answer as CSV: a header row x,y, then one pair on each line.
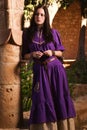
x,y
52,107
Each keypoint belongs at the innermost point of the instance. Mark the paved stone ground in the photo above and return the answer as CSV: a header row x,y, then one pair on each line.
x,y
81,109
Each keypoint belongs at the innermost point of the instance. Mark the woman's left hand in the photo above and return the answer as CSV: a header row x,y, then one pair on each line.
x,y
48,52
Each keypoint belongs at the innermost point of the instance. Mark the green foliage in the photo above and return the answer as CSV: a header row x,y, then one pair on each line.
x,y
26,85
30,5
28,11
77,72
65,3
29,8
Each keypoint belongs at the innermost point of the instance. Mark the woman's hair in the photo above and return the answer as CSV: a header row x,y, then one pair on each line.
x,y
46,26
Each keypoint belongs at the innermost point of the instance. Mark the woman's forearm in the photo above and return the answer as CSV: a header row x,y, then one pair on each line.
x,y
57,53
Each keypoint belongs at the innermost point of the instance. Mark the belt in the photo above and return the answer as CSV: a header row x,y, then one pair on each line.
x,y
46,61
49,60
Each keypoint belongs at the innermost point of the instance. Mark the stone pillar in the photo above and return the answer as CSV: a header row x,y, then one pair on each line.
x,y
11,12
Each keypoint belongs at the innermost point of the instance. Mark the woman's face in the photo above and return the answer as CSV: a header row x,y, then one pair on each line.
x,y
40,16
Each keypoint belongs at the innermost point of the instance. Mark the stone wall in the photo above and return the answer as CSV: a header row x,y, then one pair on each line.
x,y
68,23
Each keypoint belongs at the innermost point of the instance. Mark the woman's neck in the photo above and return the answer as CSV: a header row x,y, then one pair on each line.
x,y
39,27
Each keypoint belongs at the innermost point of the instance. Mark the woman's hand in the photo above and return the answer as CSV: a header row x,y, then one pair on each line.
x,y
48,52
37,54
53,53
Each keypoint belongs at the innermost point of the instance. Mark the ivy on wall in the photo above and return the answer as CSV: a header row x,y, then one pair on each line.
x,y
30,4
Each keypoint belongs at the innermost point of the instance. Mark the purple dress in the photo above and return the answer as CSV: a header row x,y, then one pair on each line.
x,y
50,103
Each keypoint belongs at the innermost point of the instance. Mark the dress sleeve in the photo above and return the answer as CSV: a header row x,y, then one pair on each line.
x,y
57,40
25,46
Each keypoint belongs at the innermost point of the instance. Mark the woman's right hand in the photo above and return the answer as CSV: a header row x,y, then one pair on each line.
x,y
37,54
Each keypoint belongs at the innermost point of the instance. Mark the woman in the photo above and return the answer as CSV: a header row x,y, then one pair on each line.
x,y
52,107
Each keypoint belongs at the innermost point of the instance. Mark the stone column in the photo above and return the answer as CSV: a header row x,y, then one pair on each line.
x,y
11,12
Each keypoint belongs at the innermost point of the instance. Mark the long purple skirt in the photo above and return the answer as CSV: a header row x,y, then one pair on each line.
x,y
51,99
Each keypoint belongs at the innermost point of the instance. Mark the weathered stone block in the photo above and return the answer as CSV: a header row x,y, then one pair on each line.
x,y
9,53
11,13
15,4
10,106
9,73
14,19
17,21
9,64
